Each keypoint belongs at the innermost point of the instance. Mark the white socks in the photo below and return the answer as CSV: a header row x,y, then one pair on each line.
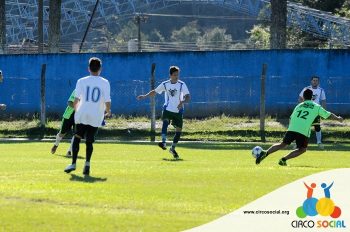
x,y
58,139
319,137
71,145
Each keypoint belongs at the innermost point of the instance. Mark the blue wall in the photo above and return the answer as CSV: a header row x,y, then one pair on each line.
x,y
220,82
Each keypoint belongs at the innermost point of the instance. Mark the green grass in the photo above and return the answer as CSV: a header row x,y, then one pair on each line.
x,y
134,188
220,128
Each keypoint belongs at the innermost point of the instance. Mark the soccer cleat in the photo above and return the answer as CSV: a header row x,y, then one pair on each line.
x,y
282,162
162,145
69,154
260,158
70,168
86,170
174,153
53,149
320,146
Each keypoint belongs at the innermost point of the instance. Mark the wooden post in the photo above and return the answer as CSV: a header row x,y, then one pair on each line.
x,y
153,105
43,96
262,103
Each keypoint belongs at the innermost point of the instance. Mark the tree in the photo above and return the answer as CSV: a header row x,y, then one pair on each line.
x,y
156,36
324,5
344,11
188,33
278,27
54,25
215,38
2,27
259,37
186,37
129,31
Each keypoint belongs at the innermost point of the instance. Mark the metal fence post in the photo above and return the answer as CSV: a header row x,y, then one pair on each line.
x,y
153,105
43,96
262,103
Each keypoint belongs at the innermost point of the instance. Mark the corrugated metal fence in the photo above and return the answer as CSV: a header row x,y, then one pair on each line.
x,y
220,82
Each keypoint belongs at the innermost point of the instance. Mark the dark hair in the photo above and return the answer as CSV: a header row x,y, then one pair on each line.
x,y
307,95
95,64
173,69
317,77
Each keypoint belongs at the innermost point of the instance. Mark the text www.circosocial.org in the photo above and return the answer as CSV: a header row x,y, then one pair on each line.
x,y
264,212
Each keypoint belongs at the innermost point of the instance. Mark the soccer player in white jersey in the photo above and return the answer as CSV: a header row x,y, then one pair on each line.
x,y
176,94
92,100
2,106
319,97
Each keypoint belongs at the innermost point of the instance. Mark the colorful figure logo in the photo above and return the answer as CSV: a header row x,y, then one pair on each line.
x,y
323,206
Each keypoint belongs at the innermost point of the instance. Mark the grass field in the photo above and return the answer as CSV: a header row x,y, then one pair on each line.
x,y
137,187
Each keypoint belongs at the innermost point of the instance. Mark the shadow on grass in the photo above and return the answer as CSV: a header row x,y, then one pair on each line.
x,y
88,179
173,160
248,146
68,157
304,166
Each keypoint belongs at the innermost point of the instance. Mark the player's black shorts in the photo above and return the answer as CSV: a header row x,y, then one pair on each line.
x,y
300,139
67,124
86,131
176,119
317,121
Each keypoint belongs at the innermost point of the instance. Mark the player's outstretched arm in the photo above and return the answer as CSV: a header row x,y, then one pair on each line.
x,y
151,93
335,117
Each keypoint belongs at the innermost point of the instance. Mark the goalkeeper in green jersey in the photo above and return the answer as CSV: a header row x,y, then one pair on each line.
x,y
66,125
299,128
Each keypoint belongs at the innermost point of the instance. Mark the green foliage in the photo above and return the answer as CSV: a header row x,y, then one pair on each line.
x,y
188,33
344,11
192,34
156,36
128,32
259,37
216,38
